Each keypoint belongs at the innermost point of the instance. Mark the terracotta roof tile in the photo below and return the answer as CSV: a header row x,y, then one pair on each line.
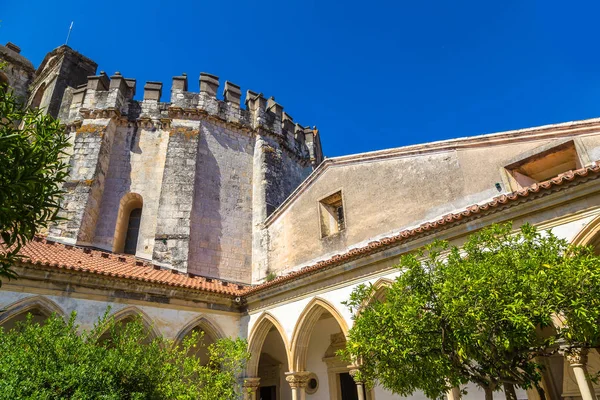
x,y
47,253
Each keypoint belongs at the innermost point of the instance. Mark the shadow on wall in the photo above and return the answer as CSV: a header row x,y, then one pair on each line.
x,y
221,218
206,229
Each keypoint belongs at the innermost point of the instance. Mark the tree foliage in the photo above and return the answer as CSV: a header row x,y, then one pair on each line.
x,y
55,361
481,313
32,169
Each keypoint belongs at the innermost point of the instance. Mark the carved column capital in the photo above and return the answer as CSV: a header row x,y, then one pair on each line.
x,y
251,383
575,356
297,379
355,374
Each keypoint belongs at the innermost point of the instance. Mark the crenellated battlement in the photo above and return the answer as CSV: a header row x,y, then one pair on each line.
x,y
187,183
260,115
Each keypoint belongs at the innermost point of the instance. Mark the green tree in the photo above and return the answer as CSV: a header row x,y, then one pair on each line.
x,y
32,169
481,313
403,341
576,283
55,360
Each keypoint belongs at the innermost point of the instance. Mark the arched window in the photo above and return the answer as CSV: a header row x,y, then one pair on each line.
x,y
128,224
36,101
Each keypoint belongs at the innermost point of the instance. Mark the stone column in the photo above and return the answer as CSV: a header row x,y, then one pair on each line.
x,y
577,359
250,386
298,382
360,389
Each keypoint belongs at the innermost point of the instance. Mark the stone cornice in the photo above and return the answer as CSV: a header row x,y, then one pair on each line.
x,y
112,287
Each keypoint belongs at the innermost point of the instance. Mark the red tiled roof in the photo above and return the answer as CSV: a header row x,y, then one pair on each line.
x,y
51,254
380,245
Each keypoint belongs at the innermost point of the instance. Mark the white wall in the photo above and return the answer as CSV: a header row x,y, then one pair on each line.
x,y
167,321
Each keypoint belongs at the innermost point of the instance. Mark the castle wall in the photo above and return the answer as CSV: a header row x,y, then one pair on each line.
x,y
392,192
18,71
19,79
137,161
85,186
221,218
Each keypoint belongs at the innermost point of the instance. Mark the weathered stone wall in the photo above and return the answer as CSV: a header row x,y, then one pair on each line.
x,y
85,185
190,162
18,71
221,220
392,190
61,69
136,165
283,172
172,236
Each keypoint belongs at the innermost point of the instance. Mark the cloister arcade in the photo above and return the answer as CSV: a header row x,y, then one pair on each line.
x,y
294,344
41,308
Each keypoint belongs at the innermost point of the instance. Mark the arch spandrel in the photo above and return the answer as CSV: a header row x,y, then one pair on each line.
x,y
589,235
380,287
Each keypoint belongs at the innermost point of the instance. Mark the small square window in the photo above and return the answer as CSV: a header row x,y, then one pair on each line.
x,y
543,164
331,210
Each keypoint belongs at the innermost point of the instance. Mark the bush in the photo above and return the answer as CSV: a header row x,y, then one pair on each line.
x,y
55,361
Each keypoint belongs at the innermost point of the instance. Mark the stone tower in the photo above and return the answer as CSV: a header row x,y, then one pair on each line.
x,y
186,183
45,87
194,178
18,72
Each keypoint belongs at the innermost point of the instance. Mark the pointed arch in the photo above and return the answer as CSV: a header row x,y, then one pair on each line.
x,y
257,337
133,312
589,235
380,288
46,306
304,327
205,324
36,100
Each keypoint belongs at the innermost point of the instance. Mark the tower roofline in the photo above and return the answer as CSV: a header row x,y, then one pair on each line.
x,y
9,52
64,49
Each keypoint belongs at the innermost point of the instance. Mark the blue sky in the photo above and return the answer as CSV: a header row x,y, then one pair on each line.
x,y
370,75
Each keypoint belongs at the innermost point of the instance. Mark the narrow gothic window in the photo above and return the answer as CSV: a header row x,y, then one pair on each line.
x,y
331,210
133,229
39,95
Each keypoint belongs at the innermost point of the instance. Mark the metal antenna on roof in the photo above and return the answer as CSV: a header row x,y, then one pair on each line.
x,y
69,34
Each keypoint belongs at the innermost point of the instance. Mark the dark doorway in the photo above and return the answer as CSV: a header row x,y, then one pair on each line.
x,y
268,393
348,387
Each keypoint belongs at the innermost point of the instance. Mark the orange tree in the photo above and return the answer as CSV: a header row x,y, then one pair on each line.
x,y
481,313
